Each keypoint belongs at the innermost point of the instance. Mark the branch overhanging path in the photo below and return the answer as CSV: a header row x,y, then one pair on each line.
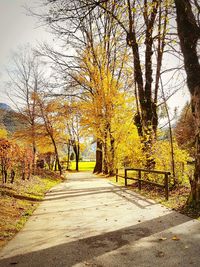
x,y
87,221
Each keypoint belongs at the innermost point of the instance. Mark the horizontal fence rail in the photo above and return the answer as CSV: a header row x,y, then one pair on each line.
x,y
165,186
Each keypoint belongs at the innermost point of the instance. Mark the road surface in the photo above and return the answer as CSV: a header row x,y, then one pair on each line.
x,y
87,221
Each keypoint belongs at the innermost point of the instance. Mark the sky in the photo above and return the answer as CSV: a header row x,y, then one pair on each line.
x,y
17,29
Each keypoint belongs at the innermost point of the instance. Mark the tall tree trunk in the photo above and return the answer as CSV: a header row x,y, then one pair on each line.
x,y
68,154
5,175
29,171
12,176
2,173
194,198
147,120
112,152
33,141
34,156
189,34
99,158
105,154
76,148
57,162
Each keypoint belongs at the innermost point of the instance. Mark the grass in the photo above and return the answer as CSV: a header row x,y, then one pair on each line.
x,y
19,200
83,165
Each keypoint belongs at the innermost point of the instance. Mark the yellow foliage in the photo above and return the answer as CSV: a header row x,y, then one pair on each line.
x,y
3,133
162,155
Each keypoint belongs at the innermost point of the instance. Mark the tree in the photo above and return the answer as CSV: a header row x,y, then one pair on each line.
x,y
5,156
74,131
143,26
99,52
14,159
100,106
189,35
25,81
50,114
185,129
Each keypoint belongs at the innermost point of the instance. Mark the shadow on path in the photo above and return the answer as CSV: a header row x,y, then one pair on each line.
x,y
69,254
127,232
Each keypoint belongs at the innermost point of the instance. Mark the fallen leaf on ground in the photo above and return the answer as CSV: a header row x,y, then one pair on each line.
x,y
160,254
162,238
175,238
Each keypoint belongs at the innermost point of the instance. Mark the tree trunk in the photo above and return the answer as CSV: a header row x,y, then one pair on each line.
x,y
48,160
189,34
5,175
29,171
12,176
112,152
23,175
105,154
2,172
34,156
68,154
147,120
77,154
57,163
194,198
33,140
99,157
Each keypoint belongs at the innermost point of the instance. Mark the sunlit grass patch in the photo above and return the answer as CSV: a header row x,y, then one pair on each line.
x,y
83,165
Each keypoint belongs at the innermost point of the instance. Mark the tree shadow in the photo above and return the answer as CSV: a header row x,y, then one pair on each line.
x,y
23,197
122,192
117,242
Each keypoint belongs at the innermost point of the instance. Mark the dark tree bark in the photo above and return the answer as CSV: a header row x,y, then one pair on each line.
x,y
99,158
146,118
4,174
105,153
34,152
112,154
29,171
189,35
76,148
68,154
56,155
12,176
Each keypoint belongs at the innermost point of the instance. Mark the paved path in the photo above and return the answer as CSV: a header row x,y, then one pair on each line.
x,y
86,221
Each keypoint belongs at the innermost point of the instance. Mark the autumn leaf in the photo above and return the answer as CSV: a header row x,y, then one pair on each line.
x,y
175,238
162,238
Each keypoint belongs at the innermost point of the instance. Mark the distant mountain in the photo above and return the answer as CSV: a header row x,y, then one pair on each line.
x,y
4,106
11,120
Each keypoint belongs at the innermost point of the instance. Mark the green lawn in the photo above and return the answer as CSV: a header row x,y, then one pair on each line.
x,y
83,165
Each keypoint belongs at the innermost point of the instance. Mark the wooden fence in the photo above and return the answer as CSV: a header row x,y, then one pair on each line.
x,y
165,185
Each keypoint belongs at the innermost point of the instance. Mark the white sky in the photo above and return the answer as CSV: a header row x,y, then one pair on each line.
x,y
16,28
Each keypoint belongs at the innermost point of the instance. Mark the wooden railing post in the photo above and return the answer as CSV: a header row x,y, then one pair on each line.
x,y
139,180
166,186
125,176
116,175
